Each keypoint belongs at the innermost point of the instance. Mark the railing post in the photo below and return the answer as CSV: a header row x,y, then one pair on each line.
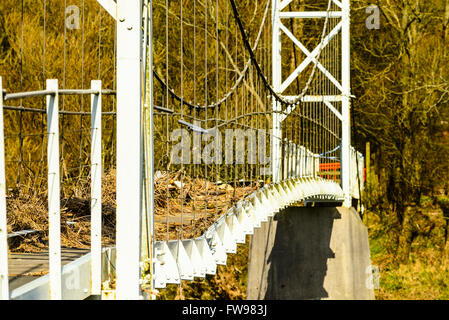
x,y
291,165
285,160
346,84
53,191
95,175
129,148
294,161
298,161
4,280
308,171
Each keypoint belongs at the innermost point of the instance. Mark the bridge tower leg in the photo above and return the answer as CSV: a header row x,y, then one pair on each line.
x,y
346,84
129,148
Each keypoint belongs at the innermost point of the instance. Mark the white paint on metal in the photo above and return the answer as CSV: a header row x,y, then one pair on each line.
x,y
185,267
308,98
110,6
75,280
261,209
54,211
333,109
160,276
269,206
226,237
170,265
244,219
217,248
4,280
309,55
346,93
206,255
310,58
198,266
235,227
284,4
252,214
129,149
309,14
96,174
276,197
338,3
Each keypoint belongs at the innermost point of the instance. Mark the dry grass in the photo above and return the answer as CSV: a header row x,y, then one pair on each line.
x,y
27,210
198,202
425,275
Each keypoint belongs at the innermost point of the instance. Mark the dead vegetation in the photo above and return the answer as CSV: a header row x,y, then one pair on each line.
x,y
184,207
28,211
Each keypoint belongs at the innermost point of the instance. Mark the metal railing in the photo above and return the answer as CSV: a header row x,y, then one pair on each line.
x,y
56,271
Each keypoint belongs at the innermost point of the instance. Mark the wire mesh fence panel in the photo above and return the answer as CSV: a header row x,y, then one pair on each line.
x,y
72,44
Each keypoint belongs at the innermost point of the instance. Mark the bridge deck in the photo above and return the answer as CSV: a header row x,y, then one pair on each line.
x,y
26,267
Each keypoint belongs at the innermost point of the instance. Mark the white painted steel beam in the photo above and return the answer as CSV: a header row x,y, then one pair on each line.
x,y
334,110
325,99
110,6
309,59
129,148
310,14
310,98
338,3
284,4
346,93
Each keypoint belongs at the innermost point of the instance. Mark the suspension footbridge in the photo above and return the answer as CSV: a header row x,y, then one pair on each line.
x,y
142,141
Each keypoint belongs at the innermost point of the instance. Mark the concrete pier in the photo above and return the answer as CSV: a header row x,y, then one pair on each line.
x,y
310,253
